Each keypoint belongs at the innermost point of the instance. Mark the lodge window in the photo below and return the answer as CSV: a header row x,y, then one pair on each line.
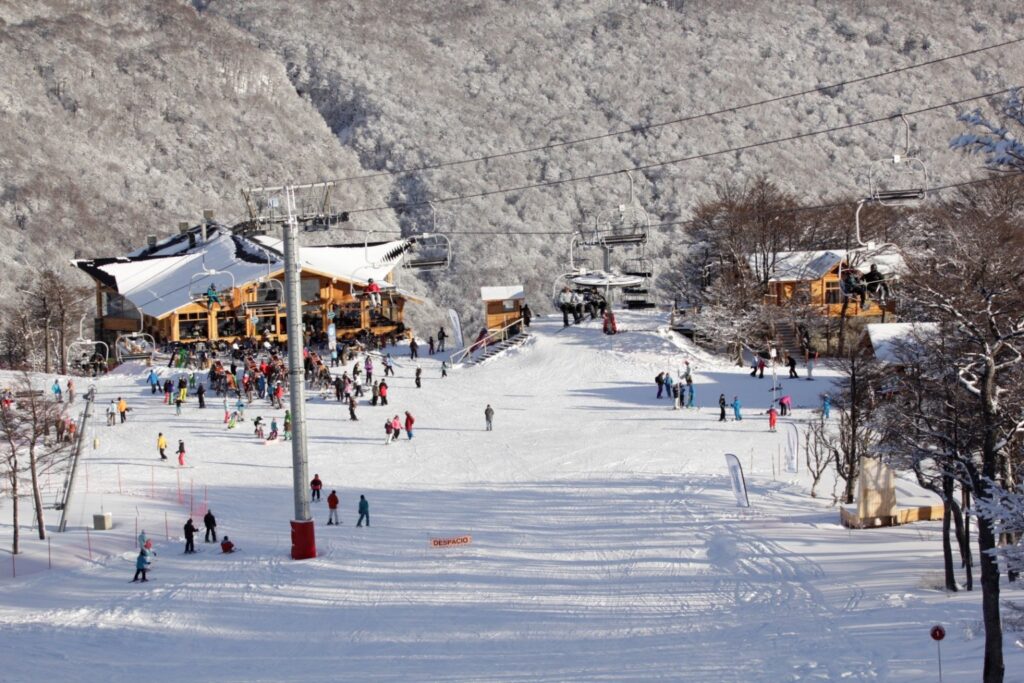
x,y
833,295
194,325
230,326
348,316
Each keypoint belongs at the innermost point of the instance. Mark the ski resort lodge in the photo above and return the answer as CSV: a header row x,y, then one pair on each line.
x,y
209,283
815,278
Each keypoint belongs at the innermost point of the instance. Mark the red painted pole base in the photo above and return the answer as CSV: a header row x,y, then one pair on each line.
x,y
303,540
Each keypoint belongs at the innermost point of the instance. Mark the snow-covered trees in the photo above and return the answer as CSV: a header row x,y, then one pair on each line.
x,y
999,142
969,281
30,444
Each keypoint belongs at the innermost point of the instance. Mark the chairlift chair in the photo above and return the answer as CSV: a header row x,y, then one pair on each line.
x,y
83,352
135,346
211,286
624,225
431,251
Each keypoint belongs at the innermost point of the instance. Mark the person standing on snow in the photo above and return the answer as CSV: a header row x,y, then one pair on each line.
x,y
168,388
368,366
389,365
430,345
141,565
489,417
314,487
153,380
387,432
57,395
288,425
122,408
669,382
210,522
383,391
441,336
826,406
414,349
190,536
201,395
352,409
409,422
736,408
773,418
181,453
419,374
364,511
791,362
161,444
111,413
332,507
659,379
721,407
396,428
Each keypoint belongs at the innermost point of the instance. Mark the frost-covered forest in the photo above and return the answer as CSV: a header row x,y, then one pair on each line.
x,y
118,120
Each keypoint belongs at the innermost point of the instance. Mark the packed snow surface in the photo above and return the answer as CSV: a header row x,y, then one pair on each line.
x,y
606,541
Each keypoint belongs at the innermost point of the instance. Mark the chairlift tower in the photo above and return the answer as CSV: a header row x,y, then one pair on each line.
x,y
266,206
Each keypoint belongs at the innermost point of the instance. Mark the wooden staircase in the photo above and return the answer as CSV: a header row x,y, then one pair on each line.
x,y
493,350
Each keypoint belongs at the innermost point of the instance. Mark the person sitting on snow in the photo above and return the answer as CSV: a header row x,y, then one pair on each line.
x,y
226,546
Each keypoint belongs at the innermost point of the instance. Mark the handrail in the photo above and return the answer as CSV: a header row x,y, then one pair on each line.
x,y
483,343
69,482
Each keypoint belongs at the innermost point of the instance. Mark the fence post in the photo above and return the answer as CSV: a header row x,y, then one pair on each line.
x,y
49,553
88,541
178,472
119,491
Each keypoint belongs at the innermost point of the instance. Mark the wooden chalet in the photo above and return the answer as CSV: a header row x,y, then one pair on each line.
x,y
502,305
814,278
165,289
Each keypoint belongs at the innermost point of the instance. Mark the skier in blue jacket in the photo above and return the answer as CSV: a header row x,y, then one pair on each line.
x,y
826,405
736,408
154,381
141,564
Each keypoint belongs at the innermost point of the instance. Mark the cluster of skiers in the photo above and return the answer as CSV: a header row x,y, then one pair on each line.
x,y
673,388
146,552
316,485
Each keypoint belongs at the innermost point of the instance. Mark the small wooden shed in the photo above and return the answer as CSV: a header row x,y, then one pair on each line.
x,y
502,305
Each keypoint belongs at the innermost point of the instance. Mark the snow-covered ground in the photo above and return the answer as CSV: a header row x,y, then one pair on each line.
x,y
606,541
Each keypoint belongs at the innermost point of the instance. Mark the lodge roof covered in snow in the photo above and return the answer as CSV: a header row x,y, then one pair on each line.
x,y
804,266
158,279
505,293
888,339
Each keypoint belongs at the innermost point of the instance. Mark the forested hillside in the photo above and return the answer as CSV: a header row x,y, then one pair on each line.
x,y
120,119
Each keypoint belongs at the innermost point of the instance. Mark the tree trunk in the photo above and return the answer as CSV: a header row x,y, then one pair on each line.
x,y
963,537
841,344
37,497
15,536
994,668
947,546
46,346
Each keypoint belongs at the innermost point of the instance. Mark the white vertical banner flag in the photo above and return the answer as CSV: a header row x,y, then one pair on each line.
x,y
792,447
739,484
332,337
456,328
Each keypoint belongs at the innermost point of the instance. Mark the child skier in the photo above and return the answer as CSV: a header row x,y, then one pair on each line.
x,y
181,453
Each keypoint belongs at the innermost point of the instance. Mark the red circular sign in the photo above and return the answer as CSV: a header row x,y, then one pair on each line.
x,y
938,633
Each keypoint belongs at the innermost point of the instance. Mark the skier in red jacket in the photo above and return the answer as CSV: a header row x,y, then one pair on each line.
x,y
373,289
409,422
332,506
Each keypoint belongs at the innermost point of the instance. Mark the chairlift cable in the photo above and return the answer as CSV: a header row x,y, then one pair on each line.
x,y
671,162
640,128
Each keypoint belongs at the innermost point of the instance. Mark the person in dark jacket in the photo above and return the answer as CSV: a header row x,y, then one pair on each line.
x,y
721,407
527,315
226,546
489,417
660,381
211,526
419,375
441,336
201,395
190,536
413,348
352,409
791,362
315,487
364,511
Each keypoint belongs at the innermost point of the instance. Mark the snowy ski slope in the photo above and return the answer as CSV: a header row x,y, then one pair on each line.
x,y
606,543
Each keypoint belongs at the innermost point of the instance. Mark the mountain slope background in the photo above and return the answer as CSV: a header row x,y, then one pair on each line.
x,y
118,121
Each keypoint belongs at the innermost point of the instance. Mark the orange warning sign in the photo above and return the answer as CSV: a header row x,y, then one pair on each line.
x,y
448,542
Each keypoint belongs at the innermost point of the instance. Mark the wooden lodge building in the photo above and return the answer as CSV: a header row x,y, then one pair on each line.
x,y
209,283
814,277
